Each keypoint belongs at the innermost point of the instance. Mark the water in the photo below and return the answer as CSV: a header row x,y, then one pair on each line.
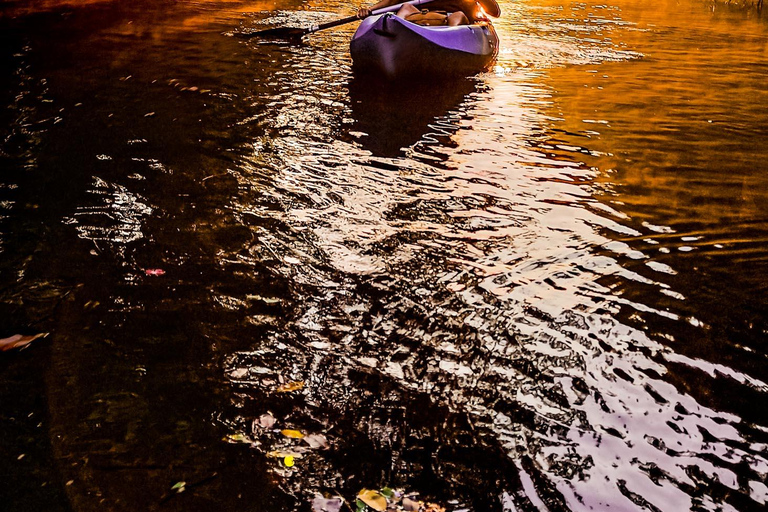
x,y
540,288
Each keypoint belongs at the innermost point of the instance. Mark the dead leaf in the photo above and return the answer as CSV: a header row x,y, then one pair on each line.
x,y
410,505
433,507
266,421
265,300
295,434
238,438
290,386
320,504
316,441
373,499
19,341
239,373
282,454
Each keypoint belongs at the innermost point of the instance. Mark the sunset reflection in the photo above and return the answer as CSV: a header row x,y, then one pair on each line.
x,y
255,277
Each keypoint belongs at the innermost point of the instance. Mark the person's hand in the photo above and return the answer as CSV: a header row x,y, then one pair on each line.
x,y
363,12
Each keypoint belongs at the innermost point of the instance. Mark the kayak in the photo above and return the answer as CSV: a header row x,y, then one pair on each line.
x,y
396,48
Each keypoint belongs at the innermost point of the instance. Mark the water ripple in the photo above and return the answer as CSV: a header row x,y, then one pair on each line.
x,y
512,292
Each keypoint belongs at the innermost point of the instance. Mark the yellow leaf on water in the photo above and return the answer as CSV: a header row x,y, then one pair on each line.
x,y
373,499
290,386
288,461
237,438
292,433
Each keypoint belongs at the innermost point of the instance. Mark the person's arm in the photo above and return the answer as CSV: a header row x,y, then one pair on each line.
x,y
366,11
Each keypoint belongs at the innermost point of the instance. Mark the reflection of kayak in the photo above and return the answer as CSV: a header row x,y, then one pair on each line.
x,y
392,116
394,47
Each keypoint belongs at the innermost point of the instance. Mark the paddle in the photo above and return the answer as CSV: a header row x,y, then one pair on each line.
x,y
294,32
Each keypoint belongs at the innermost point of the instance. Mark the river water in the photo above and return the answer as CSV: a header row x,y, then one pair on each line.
x,y
539,288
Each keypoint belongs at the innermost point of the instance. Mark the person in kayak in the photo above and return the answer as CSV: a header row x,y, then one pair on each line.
x,y
440,12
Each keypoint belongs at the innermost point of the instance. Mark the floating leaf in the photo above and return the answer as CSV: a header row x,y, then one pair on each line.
x,y
387,492
295,434
239,373
433,507
288,461
19,341
316,441
411,505
237,438
179,486
321,504
290,386
265,300
373,499
282,454
266,421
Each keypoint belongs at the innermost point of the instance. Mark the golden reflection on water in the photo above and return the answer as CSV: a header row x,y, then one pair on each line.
x,y
522,254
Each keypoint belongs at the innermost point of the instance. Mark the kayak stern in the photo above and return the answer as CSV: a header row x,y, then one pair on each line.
x,y
396,48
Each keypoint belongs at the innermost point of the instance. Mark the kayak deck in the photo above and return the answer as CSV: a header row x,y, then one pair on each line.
x,y
396,48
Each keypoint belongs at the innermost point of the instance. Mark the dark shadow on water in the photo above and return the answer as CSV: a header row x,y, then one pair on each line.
x,y
397,115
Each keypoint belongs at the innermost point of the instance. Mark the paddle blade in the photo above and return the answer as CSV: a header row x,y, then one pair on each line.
x,y
491,7
278,33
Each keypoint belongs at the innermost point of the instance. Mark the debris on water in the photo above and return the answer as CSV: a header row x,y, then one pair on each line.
x,y
411,505
154,272
265,300
282,454
19,341
316,441
288,461
238,438
179,487
294,434
290,386
239,373
373,499
266,420
320,504
393,500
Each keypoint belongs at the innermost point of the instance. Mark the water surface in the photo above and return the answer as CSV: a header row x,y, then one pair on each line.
x,y
539,288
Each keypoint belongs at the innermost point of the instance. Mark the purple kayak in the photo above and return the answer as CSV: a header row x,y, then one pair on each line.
x,y
397,48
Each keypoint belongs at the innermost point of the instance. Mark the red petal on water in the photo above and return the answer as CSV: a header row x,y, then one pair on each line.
x,y
154,272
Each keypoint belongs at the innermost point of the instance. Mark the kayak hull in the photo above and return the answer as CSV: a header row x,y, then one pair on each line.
x,y
395,48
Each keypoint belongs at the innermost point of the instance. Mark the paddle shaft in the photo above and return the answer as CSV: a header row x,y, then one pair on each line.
x,y
350,19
